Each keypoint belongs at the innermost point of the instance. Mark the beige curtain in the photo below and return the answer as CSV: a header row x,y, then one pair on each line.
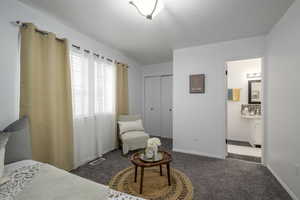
x,y
122,89
46,96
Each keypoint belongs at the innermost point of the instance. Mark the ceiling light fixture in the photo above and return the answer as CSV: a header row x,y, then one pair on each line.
x,y
147,8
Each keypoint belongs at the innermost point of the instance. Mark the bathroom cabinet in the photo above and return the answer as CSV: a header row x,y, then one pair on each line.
x,y
256,133
256,139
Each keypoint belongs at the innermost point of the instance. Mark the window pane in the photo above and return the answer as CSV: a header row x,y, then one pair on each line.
x,y
79,75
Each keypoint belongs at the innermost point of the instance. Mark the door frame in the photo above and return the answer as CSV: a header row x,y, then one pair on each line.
x,y
144,93
263,106
161,78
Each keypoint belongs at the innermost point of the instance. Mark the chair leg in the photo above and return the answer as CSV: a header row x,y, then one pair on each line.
x,y
142,177
168,171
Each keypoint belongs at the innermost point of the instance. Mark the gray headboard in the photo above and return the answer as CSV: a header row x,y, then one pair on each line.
x,y
19,143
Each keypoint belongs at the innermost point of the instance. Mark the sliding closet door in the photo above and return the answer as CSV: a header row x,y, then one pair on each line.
x,y
166,106
152,105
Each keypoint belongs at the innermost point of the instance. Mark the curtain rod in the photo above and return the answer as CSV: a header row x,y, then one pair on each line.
x,y
19,23
95,54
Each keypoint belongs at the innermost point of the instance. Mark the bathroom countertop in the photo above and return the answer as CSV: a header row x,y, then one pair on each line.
x,y
251,116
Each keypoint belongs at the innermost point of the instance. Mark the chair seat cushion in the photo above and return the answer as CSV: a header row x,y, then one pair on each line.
x,y
137,136
134,140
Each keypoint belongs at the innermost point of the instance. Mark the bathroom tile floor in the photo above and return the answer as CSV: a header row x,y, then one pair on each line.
x,y
243,150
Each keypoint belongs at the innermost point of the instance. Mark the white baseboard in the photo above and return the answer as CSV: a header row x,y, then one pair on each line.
x,y
198,153
283,184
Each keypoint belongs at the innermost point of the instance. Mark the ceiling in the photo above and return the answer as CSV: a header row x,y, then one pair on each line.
x,y
181,23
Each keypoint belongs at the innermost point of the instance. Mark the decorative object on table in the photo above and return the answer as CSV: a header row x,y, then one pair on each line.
x,y
152,148
234,94
197,83
152,184
149,154
254,92
145,158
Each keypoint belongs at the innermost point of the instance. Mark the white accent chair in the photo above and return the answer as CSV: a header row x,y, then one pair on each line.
x,y
132,140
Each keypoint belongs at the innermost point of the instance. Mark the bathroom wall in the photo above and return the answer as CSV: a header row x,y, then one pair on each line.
x,y
239,128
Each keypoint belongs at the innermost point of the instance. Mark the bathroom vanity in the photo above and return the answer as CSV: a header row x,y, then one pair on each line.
x,y
252,113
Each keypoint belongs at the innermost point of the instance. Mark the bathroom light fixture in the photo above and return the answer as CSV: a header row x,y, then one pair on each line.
x,y
253,75
147,8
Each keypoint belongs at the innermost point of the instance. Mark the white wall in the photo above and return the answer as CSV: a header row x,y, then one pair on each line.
x,y
158,69
199,119
283,100
135,95
12,10
240,128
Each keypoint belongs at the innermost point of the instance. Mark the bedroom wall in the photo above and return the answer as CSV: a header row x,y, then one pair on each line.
x,y
12,10
239,128
158,69
282,100
199,119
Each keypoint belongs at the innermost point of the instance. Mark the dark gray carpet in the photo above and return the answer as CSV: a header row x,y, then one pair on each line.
x,y
213,179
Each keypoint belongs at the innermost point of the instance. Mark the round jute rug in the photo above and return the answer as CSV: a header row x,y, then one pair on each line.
x,y
155,186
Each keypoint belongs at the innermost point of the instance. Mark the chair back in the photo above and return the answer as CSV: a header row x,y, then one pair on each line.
x,y
126,118
129,117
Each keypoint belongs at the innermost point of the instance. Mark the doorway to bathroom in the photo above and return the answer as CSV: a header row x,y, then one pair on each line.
x,y
244,97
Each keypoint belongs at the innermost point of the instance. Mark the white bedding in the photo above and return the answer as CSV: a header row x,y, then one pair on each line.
x,y
30,180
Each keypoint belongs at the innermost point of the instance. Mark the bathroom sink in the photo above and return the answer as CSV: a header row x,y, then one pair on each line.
x,y
251,116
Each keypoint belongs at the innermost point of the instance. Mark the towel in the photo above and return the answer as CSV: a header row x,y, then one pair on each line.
x,y
230,95
234,94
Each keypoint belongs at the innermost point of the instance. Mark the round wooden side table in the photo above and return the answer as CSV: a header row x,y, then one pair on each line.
x,y
137,162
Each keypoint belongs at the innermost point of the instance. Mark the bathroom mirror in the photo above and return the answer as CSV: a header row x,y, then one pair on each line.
x,y
254,92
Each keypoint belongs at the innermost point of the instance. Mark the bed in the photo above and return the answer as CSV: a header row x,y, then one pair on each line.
x,y
31,180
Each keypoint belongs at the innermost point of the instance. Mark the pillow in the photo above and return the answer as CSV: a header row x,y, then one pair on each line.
x,y
127,126
3,142
20,138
